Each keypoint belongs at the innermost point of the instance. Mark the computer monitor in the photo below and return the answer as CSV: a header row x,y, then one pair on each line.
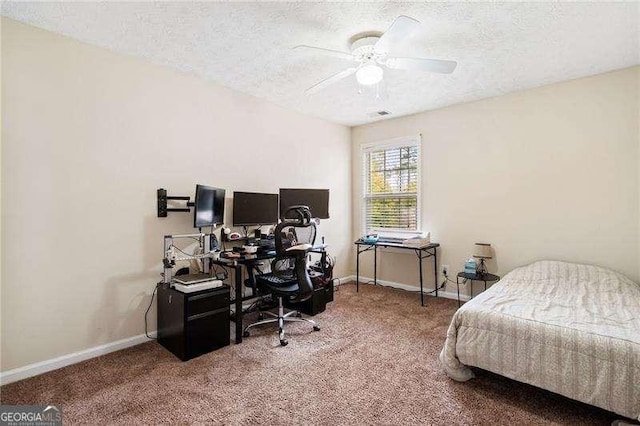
x,y
316,199
253,208
209,206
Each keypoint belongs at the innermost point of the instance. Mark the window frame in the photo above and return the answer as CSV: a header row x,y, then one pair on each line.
x,y
366,149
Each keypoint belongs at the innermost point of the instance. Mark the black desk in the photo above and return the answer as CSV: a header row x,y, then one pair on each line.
x,y
474,277
244,261
247,261
421,252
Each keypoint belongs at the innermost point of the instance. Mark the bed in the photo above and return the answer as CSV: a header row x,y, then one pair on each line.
x,y
571,329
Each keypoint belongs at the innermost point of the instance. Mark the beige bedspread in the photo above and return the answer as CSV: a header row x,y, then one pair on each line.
x,y
572,329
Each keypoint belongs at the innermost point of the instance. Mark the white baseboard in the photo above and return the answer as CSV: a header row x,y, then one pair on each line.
x,y
37,368
41,367
343,280
407,287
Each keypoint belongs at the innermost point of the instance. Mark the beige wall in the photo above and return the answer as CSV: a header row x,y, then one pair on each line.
x,y
88,137
548,173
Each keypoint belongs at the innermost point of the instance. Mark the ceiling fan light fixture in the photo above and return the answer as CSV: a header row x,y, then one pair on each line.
x,y
369,74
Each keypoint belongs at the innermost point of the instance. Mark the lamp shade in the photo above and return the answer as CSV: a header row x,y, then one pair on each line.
x,y
482,251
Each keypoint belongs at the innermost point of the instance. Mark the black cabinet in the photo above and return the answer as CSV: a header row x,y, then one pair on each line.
x,y
193,324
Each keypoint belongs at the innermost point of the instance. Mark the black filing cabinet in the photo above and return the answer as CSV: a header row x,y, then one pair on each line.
x,y
193,324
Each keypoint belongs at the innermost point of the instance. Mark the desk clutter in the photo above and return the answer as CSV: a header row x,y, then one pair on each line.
x,y
418,241
196,302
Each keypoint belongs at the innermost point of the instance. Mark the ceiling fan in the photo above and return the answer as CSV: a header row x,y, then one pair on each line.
x,y
372,53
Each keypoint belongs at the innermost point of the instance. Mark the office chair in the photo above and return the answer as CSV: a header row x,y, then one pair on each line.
x,y
289,278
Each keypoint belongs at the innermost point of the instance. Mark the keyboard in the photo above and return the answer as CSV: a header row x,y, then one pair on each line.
x,y
267,244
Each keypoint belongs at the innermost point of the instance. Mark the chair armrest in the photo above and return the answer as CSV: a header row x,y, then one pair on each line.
x,y
300,248
319,248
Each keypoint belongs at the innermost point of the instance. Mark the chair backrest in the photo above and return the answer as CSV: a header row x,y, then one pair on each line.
x,y
293,264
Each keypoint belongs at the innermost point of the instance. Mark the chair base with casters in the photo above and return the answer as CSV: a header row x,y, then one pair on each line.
x,y
280,289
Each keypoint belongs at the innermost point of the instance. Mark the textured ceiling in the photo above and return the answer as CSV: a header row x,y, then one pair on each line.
x,y
500,48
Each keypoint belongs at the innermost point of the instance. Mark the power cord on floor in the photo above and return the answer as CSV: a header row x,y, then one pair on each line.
x,y
146,330
336,287
449,280
444,283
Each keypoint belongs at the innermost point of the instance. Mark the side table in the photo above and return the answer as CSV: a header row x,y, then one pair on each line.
x,y
486,277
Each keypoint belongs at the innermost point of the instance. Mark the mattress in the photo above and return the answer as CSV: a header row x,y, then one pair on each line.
x,y
571,329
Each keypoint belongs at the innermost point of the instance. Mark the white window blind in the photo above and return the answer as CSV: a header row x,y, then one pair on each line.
x,y
392,185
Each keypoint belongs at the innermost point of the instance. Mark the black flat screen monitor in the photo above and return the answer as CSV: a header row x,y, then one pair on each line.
x,y
316,199
253,208
209,206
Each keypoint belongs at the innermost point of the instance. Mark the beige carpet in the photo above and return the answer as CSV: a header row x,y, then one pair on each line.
x,y
374,362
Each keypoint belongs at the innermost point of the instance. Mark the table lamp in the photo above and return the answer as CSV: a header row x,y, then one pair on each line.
x,y
482,252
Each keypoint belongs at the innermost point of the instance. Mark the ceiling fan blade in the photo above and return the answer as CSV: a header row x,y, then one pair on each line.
x,y
401,28
419,64
328,52
330,80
